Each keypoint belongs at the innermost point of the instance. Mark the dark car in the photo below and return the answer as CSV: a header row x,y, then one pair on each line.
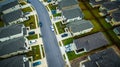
x,y
31,33
37,63
64,35
40,23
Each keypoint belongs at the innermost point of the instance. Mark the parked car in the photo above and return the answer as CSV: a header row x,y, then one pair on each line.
x,y
32,41
52,28
40,23
36,63
31,33
64,35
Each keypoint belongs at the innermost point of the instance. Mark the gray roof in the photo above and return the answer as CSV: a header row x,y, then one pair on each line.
x,y
90,64
12,45
94,2
16,61
116,16
111,5
11,30
72,13
106,58
12,16
117,30
91,42
67,3
79,25
9,5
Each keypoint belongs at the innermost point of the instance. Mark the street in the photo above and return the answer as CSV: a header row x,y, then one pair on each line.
x,y
52,50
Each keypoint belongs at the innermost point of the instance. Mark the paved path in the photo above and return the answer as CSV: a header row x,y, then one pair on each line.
x,y
52,50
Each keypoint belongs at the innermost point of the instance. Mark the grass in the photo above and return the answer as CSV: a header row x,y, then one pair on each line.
x,y
27,9
60,27
67,41
30,23
36,52
31,37
23,3
55,28
43,51
72,55
52,7
87,15
1,23
58,14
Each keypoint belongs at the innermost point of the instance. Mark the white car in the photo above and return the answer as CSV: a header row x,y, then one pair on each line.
x,y
52,28
32,41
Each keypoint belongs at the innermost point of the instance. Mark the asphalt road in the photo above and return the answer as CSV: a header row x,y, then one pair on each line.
x,y
53,54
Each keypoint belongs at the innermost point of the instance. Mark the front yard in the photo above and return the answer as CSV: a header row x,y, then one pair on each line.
x,y
67,41
30,23
31,37
60,27
27,9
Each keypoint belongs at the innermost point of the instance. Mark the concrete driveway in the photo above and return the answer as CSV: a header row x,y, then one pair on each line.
x,y
53,54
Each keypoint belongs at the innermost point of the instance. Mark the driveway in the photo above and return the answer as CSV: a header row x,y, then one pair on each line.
x,y
52,50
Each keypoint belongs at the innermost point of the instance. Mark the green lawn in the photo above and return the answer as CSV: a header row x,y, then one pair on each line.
x,y
36,52
58,14
52,7
43,51
60,27
72,55
82,6
23,3
31,37
1,23
87,15
27,9
67,41
30,23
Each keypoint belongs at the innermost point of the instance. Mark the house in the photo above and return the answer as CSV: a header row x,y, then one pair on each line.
x,y
64,4
16,61
77,27
109,7
117,30
10,7
14,17
72,14
90,42
115,17
12,31
97,3
13,47
105,58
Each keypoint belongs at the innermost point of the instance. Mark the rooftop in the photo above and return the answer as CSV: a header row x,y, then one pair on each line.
x,y
16,61
66,3
116,16
106,58
91,42
79,25
72,13
12,16
97,2
12,45
117,30
11,30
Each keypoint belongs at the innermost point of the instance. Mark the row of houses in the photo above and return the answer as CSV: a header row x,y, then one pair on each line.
x,y
110,9
13,41
73,17
12,13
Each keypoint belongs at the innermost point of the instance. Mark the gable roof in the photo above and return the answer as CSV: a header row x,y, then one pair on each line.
x,y
16,61
72,13
12,16
9,5
91,42
11,30
111,5
106,58
79,25
116,16
95,2
12,45
66,3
